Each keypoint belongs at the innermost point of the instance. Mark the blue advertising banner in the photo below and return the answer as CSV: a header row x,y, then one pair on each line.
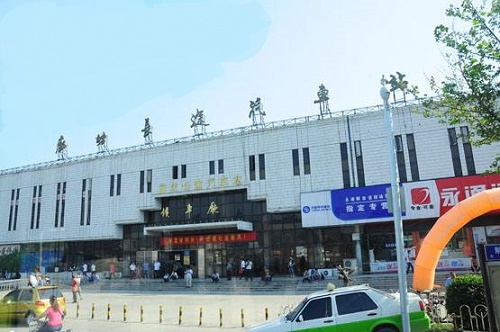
x,y
363,203
492,252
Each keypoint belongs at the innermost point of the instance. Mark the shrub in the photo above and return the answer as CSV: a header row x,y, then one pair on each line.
x,y
441,327
465,290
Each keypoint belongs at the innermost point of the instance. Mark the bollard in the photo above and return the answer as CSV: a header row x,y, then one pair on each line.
x,y
142,313
267,313
93,310
124,312
109,311
78,310
180,315
242,318
161,314
201,314
220,317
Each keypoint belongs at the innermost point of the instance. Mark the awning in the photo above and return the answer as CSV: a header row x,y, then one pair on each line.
x,y
239,225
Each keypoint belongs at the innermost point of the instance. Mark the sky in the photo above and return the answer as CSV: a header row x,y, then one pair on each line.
x,y
80,67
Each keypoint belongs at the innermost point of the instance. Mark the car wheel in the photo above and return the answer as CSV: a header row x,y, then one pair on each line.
x,y
387,329
30,318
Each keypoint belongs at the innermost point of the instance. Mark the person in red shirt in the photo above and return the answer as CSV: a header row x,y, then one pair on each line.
x,y
54,316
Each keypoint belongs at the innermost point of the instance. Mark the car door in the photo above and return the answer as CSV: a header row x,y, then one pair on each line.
x,y
356,311
8,307
317,314
25,302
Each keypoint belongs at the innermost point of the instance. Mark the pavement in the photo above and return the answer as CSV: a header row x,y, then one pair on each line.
x,y
152,305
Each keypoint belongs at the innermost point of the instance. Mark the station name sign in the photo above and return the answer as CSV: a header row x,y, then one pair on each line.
x,y
207,238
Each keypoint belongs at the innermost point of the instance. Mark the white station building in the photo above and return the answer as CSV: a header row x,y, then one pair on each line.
x,y
311,188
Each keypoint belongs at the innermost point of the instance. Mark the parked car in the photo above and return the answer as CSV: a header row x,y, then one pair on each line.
x,y
26,303
358,308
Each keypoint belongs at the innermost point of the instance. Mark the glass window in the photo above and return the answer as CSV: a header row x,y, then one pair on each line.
x,y
262,167
149,180
251,162
112,185
141,182
317,308
175,172
295,161
354,302
183,171
307,161
211,167
221,166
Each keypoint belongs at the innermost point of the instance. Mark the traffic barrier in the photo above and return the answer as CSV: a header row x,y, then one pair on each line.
x,y
161,314
142,313
201,315
220,317
180,315
242,318
78,310
93,310
266,313
109,311
124,312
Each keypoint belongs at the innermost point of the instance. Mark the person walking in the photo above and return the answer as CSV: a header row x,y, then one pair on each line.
x,y
76,288
145,269
249,270
409,264
188,275
229,270
291,267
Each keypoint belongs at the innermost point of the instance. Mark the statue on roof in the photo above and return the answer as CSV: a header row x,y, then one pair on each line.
x,y
147,132
61,149
198,122
324,108
257,112
102,142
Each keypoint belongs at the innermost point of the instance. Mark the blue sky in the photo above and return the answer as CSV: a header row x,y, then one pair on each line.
x,y
80,67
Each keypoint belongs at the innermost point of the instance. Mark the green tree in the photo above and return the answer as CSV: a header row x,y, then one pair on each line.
x,y
470,93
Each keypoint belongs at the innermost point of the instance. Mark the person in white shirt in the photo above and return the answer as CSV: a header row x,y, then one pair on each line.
x,y
188,275
156,269
249,270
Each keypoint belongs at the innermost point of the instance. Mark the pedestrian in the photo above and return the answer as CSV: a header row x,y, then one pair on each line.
x,y
85,269
188,275
474,265
249,270
409,264
112,270
229,270
241,270
344,275
93,272
156,269
450,280
76,288
145,269
291,267
133,270
215,277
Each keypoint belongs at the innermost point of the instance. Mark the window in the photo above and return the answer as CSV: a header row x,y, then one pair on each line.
x,y
14,201
141,182
149,180
112,185
211,167
118,184
63,204
307,161
183,171
36,206
400,158
455,155
251,164
295,161
317,308
359,163
355,302
469,157
221,166
86,202
82,202
60,204
262,167
345,165
175,172
412,154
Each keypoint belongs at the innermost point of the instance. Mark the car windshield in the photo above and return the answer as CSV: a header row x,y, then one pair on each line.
x,y
292,314
46,293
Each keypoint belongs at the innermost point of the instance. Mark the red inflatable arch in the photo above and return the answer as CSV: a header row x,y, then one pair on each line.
x,y
443,230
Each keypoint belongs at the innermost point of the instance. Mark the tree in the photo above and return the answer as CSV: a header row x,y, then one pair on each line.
x,y
470,94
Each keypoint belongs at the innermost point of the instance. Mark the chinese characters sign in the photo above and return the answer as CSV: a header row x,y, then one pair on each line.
x,y
207,238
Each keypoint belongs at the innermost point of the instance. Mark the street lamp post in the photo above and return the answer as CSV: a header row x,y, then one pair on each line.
x,y
398,225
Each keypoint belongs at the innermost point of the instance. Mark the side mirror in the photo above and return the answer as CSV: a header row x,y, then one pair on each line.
x,y
300,319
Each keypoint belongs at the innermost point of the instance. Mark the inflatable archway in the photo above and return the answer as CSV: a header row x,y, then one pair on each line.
x,y
443,230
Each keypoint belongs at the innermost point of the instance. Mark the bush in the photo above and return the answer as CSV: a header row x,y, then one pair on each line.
x,y
441,327
465,290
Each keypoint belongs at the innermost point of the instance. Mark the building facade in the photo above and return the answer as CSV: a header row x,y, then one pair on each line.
x,y
217,197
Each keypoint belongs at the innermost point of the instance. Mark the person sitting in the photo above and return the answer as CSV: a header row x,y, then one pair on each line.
x,y
166,277
267,275
306,276
215,277
316,275
174,275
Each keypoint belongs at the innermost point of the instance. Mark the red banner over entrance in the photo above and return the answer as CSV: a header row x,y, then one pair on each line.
x,y
208,238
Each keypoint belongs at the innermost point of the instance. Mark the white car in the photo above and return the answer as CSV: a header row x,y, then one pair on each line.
x,y
356,308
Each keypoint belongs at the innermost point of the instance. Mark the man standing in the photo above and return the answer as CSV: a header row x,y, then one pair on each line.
x,y
145,269
188,275
409,264
156,268
249,270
